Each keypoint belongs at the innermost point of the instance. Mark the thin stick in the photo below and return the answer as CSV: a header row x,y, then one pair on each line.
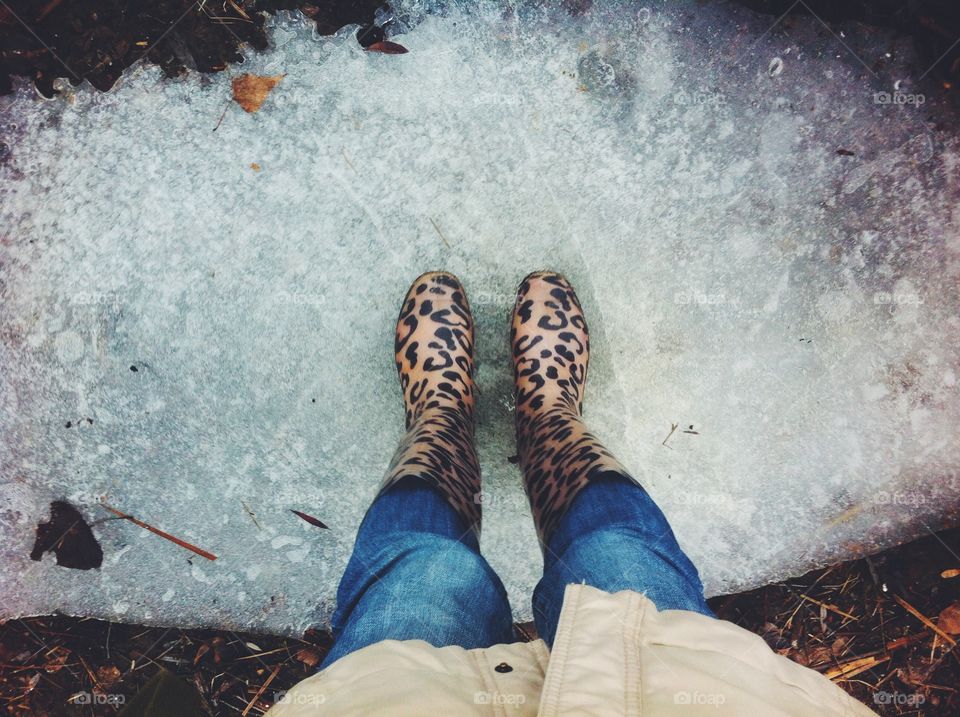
x,y
440,233
347,160
828,606
222,115
156,531
923,618
262,689
673,427
854,667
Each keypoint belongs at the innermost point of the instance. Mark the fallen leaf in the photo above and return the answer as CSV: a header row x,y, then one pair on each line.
x,y
949,620
165,695
201,651
912,675
309,657
839,646
255,167
107,675
309,518
814,656
69,537
845,152
249,91
951,573
388,48
216,644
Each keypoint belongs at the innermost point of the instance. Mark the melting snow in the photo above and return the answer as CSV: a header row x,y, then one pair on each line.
x,y
775,320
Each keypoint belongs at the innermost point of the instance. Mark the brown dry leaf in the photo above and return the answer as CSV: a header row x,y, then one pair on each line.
x,y
951,573
388,48
107,675
215,644
840,646
249,91
255,167
309,657
949,620
201,651
814,656
912,675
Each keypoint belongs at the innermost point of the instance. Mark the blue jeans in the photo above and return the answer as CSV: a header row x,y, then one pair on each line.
x,y
416,571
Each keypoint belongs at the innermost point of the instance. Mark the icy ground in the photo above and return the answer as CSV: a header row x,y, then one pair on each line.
x,y
767,251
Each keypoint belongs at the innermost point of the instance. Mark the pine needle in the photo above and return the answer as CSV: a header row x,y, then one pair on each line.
x,y
156,531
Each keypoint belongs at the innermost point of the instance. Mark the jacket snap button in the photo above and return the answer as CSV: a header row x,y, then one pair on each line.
x,y
503,667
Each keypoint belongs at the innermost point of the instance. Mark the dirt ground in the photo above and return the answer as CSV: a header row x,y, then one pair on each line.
x,y
883,628
97,39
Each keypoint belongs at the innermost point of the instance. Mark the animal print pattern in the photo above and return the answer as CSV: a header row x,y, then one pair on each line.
x,y
551,350
434,356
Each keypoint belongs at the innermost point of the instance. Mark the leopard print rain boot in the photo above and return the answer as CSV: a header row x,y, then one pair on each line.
x,y
551,349
434,354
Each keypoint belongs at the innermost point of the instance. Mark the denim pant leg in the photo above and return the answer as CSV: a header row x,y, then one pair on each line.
x,y
614,537
416,573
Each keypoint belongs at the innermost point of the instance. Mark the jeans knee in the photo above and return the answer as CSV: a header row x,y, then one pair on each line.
x,y
616,558
462,570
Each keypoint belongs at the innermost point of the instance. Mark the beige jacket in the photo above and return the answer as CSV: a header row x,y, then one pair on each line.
x,y
613,655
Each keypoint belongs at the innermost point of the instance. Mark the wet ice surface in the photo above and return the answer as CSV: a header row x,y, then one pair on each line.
x,y
775,324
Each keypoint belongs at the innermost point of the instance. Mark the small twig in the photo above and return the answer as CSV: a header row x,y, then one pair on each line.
x,y
47,9
86,667
252,515
258,655
156,531
239,10
222,115
853,667
924,619
347,160
442,237
263,688
673,427
828,606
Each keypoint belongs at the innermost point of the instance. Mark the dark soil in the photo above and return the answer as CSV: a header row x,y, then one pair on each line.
x,y
97,39
862,623
933,24
854,623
